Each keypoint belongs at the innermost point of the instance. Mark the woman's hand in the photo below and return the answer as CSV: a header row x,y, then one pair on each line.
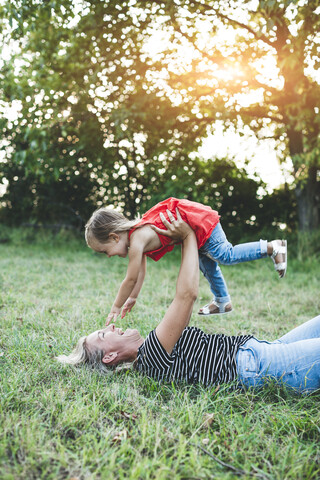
x,y
177,229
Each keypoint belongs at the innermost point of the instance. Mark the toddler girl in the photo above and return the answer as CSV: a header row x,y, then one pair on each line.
x,y
111,233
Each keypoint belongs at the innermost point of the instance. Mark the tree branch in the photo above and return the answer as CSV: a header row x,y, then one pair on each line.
x,y
237,23
237,471
177,28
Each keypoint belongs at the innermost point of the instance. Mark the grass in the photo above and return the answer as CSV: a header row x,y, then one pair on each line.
x,y
64,423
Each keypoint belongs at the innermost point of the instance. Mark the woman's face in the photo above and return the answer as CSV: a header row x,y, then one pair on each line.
x,y
113,340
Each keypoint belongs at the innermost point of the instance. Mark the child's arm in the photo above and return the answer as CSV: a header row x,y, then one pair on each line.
x,y
129,283
136,290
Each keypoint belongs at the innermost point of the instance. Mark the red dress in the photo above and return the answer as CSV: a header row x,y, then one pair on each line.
x,y
202,220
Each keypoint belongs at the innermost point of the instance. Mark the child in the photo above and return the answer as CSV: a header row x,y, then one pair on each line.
x,y
111,233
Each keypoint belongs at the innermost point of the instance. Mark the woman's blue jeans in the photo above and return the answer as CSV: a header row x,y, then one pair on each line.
x,y
293,360
217,250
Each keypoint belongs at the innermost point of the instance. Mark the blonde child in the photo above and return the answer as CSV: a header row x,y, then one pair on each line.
x,y
109,232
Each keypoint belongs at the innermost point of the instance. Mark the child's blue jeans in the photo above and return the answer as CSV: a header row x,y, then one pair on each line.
x,y
217,250
293,360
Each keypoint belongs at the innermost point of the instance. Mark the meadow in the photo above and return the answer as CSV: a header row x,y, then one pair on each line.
x,y
59,422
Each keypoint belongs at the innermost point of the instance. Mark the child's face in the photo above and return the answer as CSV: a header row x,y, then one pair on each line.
x,y
117,245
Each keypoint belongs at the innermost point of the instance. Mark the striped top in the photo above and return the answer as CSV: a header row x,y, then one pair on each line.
x,y
196,357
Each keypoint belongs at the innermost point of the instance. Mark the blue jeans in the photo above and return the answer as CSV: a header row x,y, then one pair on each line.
x,y
293,360
217,250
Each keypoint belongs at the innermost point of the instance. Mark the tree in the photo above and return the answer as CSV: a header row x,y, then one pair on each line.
x,y
265,75
78,77
94,102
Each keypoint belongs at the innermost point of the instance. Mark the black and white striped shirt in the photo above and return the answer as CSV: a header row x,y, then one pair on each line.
x,y
196,357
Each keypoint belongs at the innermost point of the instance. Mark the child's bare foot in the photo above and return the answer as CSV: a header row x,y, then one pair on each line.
x,y
277,250
215,308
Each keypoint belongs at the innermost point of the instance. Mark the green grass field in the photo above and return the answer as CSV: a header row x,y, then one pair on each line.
x,y
66,423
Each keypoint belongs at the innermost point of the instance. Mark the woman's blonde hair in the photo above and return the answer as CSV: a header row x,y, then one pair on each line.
x,y
82,355
105,221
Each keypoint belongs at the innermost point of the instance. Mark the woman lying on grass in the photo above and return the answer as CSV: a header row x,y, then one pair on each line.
x,y
174,351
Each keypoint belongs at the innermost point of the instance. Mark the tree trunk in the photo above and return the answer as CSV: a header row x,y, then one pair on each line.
x,y
307,189
308,201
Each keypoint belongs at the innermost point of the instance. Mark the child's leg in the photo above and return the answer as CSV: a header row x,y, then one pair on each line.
x,y
309,329
221,250
212,272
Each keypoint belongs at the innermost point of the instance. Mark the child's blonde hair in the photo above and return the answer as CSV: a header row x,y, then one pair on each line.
x,y
105,221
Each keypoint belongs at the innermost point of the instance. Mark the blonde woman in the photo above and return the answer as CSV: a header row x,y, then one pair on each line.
x,y
173,351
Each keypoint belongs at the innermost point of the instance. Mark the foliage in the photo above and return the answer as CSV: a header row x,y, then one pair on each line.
x,y
244,211
308,245
41,198
89,107
264,75
59,423
102,118
70,200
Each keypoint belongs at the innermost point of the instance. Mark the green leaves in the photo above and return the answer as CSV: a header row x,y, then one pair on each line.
x,y
94,92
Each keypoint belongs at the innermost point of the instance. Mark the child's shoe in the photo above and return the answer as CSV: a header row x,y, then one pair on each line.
x,y
215,308
279,256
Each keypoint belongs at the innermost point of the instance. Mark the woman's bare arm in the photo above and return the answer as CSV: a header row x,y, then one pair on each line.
x,y
178,314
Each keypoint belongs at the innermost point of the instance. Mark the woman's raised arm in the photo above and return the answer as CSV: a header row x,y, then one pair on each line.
x,y
179,312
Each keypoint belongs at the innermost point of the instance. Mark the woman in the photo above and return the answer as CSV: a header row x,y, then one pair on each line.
x,y
174,351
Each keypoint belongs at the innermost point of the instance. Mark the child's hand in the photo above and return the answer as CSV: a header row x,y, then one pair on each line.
x,y
115,311
128,306
177,229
